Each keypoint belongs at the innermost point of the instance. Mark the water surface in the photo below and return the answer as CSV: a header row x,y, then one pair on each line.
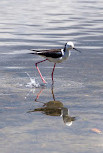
x,y
26,124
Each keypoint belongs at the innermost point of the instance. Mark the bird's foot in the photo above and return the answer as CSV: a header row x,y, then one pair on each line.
x,y
44,81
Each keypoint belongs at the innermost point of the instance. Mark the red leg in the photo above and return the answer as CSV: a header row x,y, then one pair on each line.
x,y
37,97
52,73
39,70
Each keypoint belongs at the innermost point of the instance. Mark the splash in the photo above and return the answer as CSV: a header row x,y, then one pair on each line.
x,y
32,82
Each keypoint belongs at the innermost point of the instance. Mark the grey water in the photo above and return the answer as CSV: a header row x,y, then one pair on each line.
x,y
69,116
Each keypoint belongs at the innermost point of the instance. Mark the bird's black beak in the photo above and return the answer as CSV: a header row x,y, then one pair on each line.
x,y
77,50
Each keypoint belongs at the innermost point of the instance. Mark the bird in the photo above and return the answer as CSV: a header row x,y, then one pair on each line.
x,y
55,56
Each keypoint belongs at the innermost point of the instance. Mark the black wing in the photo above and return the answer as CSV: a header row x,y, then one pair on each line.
x,y
54,53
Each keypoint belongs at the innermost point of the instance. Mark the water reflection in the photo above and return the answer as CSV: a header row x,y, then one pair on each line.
x,y
54,108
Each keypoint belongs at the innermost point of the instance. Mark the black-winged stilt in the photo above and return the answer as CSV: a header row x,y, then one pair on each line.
x,y
55,56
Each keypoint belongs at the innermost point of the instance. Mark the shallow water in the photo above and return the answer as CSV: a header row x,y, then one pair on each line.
x,y
34,119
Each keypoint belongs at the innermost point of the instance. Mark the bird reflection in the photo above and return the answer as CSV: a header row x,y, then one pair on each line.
x,y
66,117
54,108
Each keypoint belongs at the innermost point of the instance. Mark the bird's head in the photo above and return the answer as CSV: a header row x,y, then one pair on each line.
x,y
69,45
